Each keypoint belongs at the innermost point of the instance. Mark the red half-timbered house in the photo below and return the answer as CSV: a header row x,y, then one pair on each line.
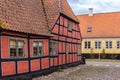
x,y
37,36
65,30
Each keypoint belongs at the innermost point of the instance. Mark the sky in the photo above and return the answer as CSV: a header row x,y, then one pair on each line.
x,y
80,7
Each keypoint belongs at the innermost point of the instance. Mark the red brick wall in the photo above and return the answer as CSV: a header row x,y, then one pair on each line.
x,y
5,48
35,65
8,68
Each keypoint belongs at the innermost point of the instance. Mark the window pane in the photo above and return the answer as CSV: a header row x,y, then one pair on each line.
x,y
13,44
53,47
67,48
13,48
89,29
20,48
20,44
35,48
96,45
110,44
69,25
89,45
35,44
106,44
118,44
13,52
40,51
16,48
35,51
20,52
85,45
40,43
99,45
38,48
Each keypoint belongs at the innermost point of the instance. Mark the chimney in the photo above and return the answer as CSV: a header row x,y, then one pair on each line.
x,y
90,11
60,5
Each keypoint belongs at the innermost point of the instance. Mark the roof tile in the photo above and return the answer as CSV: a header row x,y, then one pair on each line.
x,y
103,25
23,16
55,7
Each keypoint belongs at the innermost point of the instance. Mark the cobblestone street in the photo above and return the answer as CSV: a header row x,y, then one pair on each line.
x,y
93,70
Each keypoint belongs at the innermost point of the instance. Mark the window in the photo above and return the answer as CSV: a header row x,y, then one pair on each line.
x,y
69,25
108,44
67,48
53,47
87,45
79,49
97,44
89,29
38,48
16,48
118,44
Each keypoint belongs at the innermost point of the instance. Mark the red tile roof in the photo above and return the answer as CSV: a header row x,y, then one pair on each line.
x,y
102,25
33,16
23,16
55,7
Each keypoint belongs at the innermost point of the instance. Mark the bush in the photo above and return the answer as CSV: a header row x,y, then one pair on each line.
x,y
113,56
60,69
103,55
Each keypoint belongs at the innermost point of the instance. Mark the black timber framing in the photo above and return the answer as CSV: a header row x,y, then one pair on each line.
x,y
28,37
29,63
0,55
40,72
58,38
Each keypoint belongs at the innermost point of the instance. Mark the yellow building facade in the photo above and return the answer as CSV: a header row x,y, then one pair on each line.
x,y
100,35
115,49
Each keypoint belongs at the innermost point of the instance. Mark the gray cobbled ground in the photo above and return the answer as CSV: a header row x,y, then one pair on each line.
x,y
93,70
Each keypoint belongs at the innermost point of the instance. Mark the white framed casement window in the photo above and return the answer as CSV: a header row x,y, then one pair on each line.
x,y
118,44
16,48
53,47
67,48
38,48
108,44
87,44
97,44
79,49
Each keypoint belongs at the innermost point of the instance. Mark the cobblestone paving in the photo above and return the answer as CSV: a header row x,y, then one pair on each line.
x,y
93,70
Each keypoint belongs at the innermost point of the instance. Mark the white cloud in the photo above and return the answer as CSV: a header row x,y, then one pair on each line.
x,y
99,6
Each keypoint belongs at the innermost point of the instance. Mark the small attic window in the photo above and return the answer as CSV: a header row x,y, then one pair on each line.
x,y
89,29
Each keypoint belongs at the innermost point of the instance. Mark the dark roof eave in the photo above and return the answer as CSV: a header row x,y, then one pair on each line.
x,y
69,18
49,35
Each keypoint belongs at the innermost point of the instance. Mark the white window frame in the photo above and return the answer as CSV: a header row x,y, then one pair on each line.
x,y
38,54
108,44
87,44
97,44
17,48
53,47
118,44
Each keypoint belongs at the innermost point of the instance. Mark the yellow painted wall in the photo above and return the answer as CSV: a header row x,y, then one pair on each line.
x,y
103,46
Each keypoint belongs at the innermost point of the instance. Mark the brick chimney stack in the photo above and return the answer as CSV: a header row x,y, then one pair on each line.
x,y
90,12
